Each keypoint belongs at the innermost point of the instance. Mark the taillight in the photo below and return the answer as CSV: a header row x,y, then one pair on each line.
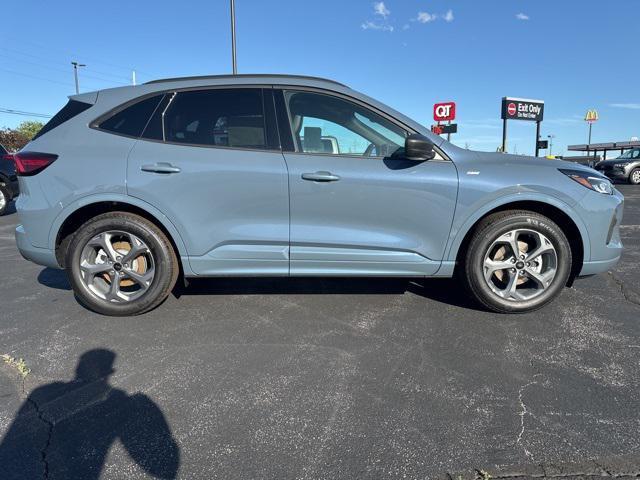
x,y
30,163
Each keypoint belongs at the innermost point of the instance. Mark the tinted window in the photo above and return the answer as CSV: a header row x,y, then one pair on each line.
x,y
70,110
327,124
219,117
132,120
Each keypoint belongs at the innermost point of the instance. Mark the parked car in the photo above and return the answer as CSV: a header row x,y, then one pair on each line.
x,y
131,188
8,180
626,167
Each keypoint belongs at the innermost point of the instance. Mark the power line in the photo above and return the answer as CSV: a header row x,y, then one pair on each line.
x,y
23,113
86,58
36,77
66,71
42,59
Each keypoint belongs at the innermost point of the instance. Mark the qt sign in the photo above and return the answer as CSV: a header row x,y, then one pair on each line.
x,y
444,112
522,109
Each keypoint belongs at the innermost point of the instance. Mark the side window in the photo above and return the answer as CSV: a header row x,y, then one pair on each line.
x,y
132,120
331,125
216,117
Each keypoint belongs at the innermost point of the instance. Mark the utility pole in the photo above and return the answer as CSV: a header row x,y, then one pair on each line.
x,y
233,37
75,74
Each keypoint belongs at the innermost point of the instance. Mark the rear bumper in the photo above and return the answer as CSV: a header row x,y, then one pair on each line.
x,y
41,256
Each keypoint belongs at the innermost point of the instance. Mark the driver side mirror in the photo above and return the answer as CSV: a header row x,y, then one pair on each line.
x,y
418,148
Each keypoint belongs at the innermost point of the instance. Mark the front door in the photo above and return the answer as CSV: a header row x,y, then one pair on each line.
x,y
356,207
207,160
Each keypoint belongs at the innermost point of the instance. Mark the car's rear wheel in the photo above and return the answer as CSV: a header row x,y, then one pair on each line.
x,y
5,198
634,176
517,261
121,264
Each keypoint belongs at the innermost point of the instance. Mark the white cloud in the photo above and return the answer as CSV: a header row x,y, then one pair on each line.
x,y
448,17
425,17
628,106
522,16
380,9
369,25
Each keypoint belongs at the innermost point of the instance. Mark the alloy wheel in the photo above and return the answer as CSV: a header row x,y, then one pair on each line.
x,y
117,266
520,265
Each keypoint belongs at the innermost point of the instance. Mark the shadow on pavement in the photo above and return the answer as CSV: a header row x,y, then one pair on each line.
x,y
441,290
65,429
444,290
54,278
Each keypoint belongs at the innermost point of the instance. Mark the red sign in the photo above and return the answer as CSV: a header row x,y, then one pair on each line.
x,y
511,109
444,112
437,129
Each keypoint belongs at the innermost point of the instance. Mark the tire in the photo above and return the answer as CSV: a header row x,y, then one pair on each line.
x,y
491,247
5,198
634,176
143,282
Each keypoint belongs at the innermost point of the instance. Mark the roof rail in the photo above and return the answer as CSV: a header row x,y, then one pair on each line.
x,y
244,75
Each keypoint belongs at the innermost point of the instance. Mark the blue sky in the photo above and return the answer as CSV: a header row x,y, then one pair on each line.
x,y
574,54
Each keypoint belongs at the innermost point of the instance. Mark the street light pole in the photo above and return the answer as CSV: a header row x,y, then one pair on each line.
x,y
233,37
550,137
75,74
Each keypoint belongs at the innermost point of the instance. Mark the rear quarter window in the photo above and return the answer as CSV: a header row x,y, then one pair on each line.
x,y
70,110
132,119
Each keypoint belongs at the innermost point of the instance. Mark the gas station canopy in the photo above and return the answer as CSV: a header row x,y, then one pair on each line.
x,y
603,147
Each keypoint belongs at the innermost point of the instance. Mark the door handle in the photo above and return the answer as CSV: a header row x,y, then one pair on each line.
x,y
160,167
320,177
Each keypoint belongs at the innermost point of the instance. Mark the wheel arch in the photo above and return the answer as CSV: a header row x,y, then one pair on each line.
x,y
560,213
70,219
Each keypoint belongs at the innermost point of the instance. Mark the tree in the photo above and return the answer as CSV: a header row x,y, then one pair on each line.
x,y
12,140
29,128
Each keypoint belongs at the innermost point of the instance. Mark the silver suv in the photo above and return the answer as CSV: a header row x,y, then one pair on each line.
x,y
130,188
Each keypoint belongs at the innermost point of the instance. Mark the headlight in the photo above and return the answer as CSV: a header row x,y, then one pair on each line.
x,y
592,182
620,165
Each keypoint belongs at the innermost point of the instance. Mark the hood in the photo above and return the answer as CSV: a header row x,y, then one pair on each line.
x,y
538,162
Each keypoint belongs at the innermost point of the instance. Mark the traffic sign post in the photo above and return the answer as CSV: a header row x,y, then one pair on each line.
x,y
521,109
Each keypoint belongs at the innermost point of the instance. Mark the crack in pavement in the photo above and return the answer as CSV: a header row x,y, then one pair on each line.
x,y
524,411
50,425
623,289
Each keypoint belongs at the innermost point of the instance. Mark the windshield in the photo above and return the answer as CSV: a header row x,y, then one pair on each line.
x,y
635,153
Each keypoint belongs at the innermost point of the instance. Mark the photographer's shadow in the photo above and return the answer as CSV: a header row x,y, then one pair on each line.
x,y
65,430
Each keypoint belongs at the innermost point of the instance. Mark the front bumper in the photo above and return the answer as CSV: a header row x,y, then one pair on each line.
x,y
41,256
603,214
615,173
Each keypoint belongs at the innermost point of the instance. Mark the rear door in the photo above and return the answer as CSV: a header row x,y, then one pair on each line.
x,y
210,161
357,206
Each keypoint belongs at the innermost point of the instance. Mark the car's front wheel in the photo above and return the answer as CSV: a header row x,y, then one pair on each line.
x,y
634,176
5,198
121,264
517,261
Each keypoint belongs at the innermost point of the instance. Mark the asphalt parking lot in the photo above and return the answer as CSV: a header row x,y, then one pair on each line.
x,y
320,378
